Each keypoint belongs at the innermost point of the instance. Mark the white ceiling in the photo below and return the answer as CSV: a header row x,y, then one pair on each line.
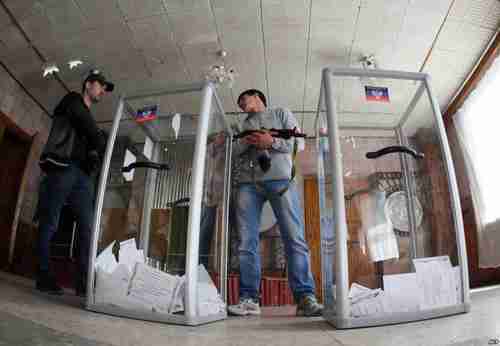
x,y
278,46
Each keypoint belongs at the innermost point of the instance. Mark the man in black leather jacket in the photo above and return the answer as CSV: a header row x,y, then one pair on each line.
x,y
72,152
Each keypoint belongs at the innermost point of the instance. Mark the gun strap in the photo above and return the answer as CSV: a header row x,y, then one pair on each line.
x,y
270,195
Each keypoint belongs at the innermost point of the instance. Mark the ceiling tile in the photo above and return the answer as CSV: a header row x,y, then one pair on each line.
x,y
4,19
241,38
239,29
199,58
22,61
285,19
187,5
133,9
237,8
24,8
450,63
343,10
11,39
459,9
437,6
463,36
193,27
171,72
100,13
149,51
154,37
378,26
485,13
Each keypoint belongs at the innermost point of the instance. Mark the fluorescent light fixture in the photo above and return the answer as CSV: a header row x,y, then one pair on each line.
x,y
50,69
74,63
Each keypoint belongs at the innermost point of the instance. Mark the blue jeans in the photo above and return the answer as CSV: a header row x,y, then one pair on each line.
x,y
207,226
288,212
65,186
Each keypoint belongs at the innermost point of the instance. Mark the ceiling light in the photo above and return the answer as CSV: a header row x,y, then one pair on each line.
x,y
368,62
50,69
74,63
220,75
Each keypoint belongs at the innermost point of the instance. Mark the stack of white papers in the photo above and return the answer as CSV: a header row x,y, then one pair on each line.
x,y
436,281
154,288
132,284
129,255
209,300
366,301
403,291
112,288
359,292
106,260
435,284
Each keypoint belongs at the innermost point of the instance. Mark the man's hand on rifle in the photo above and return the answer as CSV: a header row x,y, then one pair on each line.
x,y
261,139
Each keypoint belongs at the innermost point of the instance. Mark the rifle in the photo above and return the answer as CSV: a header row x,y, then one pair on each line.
x,y
278,133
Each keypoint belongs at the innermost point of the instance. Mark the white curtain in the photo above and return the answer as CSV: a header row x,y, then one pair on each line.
x,y
478,126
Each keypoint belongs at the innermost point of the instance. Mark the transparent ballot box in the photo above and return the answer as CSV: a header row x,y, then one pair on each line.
x,y
392,239
159,247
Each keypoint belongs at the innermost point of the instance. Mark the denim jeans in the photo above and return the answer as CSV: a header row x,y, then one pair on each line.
x,y
288,212
65,186
207,227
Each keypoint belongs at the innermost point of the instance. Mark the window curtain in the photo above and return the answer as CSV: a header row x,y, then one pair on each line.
x,y
478,127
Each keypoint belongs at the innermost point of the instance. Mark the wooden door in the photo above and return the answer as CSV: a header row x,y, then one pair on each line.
x,y
361,269
313,231
14,152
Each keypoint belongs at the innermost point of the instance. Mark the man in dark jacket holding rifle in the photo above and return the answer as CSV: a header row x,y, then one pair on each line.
x,y
73,151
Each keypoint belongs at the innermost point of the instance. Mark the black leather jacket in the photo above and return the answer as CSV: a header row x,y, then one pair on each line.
x,y
74,137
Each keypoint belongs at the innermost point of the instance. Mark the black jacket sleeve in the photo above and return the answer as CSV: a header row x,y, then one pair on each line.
x,y
82,121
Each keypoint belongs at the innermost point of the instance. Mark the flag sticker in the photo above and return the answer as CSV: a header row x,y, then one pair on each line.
x,y
146,113
376,94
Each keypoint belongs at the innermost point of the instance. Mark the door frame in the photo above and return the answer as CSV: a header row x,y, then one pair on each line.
x,y
7,124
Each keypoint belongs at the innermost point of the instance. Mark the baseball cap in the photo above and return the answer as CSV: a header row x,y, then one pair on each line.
x,y
97,76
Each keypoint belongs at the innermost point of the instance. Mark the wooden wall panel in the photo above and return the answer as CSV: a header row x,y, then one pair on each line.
x,y
312,230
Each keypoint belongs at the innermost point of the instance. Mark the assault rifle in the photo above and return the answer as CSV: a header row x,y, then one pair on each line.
x,y
278,133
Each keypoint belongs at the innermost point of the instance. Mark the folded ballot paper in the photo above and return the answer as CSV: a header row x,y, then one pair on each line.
x,y
153,288
132,284
209,300
366,301
434,284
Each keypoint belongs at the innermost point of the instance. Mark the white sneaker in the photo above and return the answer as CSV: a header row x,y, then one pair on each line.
x,y
246,306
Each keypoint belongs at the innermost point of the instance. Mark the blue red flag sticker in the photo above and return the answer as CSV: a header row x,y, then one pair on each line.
x,y
376,94
146,113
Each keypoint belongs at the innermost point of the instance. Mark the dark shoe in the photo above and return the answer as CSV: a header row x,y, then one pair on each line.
x,y
308,306
81,293
47,283
81,287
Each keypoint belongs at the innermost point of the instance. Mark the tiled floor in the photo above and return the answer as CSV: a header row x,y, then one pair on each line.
x,y
30,318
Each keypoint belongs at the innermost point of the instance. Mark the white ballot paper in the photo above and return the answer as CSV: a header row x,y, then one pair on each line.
x,y
457,273
366,301
209,301
112,288
129,255
154,288
106,261
403,291
359,292
436,280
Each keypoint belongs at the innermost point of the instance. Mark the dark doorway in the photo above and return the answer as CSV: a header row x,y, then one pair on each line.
x,y
14,151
